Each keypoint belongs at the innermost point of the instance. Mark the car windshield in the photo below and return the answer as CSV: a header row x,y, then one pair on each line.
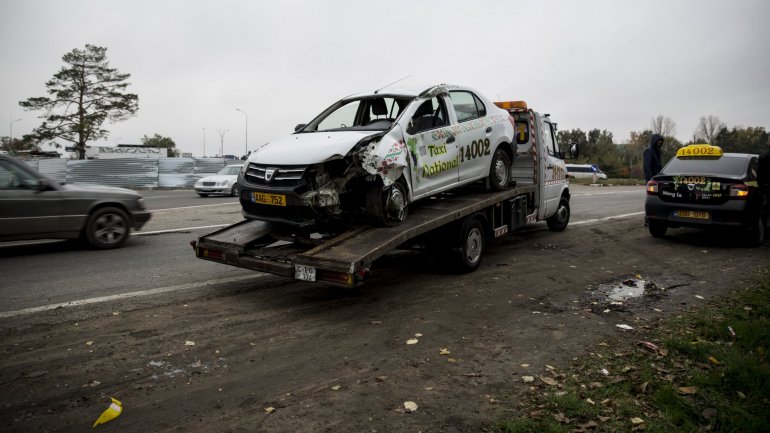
x,y
370,113
231,170
732,166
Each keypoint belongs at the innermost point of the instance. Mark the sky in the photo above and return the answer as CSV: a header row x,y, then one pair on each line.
x,y
611,65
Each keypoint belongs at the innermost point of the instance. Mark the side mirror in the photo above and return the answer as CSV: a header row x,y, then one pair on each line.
x,y
300,126
574,150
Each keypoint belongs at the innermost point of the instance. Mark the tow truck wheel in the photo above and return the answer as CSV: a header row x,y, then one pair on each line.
x,y
388,207
500,170
657,228
471,245
558,221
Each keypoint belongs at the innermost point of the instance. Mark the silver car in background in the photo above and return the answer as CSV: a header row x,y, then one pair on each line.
x,y
225,182
33,206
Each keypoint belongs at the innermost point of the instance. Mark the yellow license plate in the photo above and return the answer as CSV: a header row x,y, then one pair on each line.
x,y
692,214
269,199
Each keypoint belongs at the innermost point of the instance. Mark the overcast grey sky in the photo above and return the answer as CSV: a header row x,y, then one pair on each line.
x,y
610,65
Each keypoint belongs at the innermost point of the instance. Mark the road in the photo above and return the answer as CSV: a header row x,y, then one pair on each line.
x,y
40,274
190,346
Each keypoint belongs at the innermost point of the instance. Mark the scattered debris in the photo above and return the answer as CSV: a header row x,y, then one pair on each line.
x,y
110,413
591,402
699,296
375,322
524,365
189,343
410,406
418,335
89,343
688,390
604,371
412,341
444,351
336,388
637,421
270,409
714,361
624,326
527,379
731,331
381,378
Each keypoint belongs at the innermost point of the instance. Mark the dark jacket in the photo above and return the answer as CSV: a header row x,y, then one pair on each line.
x,y
652,165
763,172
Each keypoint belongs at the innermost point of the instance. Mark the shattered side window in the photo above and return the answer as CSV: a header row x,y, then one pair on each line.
x,y
343,117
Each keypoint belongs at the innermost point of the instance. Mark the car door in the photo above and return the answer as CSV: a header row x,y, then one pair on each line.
x,y
554,171
25,209
434,152
473,140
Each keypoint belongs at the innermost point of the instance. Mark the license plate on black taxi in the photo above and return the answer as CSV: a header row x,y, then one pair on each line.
x,y
269,199
694,214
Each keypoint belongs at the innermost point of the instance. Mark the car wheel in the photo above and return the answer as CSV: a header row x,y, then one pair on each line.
x,y
388,207
107,228
758,231
558,221
468,256
236,190
203,194
657,228
500,170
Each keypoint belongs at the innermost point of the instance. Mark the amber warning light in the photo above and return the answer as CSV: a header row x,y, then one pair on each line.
x,y
509,105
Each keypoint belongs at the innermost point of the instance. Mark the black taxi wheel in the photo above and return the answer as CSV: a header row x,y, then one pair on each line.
x,y
558,221
387,207
657,228
467,257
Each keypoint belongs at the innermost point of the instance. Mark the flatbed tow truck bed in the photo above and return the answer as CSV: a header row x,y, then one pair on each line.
x,y
343,258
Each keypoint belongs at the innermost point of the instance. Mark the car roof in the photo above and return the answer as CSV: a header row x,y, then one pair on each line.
x,y
410,91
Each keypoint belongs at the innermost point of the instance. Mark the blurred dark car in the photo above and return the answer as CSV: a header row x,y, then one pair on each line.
x,y
33,206
706,188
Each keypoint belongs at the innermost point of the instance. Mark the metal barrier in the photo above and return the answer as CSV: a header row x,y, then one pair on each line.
x,y
134,173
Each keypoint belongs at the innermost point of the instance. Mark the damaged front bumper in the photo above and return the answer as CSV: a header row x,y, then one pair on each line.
x,y
290,207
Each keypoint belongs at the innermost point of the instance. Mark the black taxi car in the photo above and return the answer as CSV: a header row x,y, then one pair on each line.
x,y
705,187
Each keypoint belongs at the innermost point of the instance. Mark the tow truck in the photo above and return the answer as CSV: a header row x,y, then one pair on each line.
x,y
454,224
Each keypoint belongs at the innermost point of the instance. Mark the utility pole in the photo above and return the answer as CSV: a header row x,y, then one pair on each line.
x,y
204,142
222,133
247,130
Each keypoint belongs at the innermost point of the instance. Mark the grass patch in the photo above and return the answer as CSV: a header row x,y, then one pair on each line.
x,y
707,372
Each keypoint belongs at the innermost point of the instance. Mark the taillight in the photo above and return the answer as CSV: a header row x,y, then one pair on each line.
x,y
739,191
652,187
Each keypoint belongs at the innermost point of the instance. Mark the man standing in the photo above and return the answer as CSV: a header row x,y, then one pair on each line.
x,y
763,172
652,165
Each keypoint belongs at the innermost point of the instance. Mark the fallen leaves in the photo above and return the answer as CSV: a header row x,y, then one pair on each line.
x,y
412,341
688,390
410,406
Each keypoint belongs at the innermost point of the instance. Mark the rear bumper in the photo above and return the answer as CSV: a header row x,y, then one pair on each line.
x,y
732,213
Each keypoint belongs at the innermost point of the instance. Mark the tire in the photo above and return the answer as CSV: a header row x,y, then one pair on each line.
x,y
204,195
500,170
471,249
757,233
657,228
107,228
388,207
236,190
558,221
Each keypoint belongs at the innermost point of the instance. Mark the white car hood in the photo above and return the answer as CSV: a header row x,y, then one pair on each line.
x,y
308,147
219,178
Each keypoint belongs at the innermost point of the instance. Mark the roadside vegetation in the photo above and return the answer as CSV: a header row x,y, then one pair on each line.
x,y
704,370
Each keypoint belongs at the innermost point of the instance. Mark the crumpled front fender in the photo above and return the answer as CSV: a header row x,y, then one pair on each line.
x,y
386,157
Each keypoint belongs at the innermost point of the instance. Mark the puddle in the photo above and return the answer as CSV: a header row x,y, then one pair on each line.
x,y
625,290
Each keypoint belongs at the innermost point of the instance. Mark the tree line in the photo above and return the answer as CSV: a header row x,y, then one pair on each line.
x,y
624,160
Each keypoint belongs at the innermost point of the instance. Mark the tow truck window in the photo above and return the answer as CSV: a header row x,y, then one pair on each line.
x,y
467,105
724,166
549,140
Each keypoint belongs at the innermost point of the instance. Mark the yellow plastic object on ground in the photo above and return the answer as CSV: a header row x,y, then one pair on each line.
x,y
111,413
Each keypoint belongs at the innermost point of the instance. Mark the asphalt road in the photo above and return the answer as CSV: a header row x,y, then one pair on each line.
x,y
160,259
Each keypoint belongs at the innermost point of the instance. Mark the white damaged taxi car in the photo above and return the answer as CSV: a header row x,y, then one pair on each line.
x,y
374,154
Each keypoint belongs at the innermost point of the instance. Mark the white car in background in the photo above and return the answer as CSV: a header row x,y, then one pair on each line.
x,y
225,182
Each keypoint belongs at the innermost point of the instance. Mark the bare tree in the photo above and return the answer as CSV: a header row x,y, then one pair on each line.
x,y
708,128
663,125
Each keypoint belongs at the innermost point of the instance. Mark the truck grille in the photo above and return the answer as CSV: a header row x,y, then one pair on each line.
x,y
282,175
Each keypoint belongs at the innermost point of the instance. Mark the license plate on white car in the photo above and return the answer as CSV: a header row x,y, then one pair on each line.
x,y
304,273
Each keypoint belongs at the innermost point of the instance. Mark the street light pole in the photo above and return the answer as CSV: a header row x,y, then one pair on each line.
x,y
10,139
204,142
247,129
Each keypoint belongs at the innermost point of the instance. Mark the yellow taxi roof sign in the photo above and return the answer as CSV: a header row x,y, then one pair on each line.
x,y
699,151
508,105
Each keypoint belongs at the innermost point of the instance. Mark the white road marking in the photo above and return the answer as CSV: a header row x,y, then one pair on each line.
x,y
184,229
613,217
609,193
100,299
193,207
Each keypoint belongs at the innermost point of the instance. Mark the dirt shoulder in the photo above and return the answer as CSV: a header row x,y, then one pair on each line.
x,y
327,359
